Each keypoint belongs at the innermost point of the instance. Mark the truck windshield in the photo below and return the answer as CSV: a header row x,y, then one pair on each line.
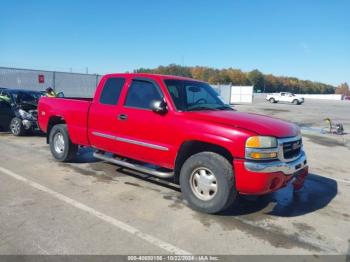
x,y
194,96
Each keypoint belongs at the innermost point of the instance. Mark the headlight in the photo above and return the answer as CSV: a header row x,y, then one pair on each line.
x,y
25,115
261,148
261,142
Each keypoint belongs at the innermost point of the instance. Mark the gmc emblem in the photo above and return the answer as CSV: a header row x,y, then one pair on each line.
x,y
296,145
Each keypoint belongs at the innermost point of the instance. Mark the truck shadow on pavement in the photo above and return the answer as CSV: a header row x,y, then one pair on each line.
x,y
317,193
85,155
4,132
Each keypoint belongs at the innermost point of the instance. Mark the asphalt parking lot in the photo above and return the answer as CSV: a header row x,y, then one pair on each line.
x,y
91,207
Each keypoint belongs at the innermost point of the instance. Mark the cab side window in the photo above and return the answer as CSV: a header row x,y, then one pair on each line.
x,y
111,91
142,94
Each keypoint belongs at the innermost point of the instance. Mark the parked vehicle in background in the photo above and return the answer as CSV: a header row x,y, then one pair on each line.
x,y
18,110
6,115
177,128
285,97
346,97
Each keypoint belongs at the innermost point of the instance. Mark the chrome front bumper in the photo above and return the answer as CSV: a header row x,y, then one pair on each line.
x,y
288,168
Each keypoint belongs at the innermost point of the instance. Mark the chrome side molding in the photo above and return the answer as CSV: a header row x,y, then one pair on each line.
x,y
130,141
133,166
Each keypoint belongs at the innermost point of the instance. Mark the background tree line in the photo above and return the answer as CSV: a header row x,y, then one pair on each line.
x,y
343,89
262,82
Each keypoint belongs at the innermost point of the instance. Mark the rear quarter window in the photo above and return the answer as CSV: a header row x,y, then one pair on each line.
x,y
111,91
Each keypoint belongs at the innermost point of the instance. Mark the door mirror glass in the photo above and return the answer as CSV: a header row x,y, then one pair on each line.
x,y
159,107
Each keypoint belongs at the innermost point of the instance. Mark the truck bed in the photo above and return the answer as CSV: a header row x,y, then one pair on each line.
x,y
76,98
72,110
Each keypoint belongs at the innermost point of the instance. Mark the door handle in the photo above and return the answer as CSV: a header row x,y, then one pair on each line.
x,y
122,117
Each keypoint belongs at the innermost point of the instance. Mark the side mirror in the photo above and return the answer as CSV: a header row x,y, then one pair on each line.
x,y
159,107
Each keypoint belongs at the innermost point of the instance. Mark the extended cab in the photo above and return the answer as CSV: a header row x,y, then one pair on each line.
x,y
177,128
285,97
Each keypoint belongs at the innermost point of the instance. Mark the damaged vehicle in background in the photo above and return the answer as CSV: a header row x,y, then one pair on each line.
x,y
18,111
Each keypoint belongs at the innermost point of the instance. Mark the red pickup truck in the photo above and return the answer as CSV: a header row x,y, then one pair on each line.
x,y
178,128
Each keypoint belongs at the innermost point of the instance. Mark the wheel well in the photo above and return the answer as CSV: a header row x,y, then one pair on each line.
x,y
190,148
55,120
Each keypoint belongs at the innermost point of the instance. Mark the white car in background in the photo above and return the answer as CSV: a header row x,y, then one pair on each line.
x,y
285,97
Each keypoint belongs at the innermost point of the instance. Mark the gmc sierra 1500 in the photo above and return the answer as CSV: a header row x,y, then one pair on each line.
x,y
175,127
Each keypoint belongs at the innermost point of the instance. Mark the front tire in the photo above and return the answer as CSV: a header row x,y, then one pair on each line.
x,y
295,102
272,100
207,182
62,148
16,127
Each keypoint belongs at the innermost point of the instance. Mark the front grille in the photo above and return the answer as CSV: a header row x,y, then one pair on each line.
x,y
292,149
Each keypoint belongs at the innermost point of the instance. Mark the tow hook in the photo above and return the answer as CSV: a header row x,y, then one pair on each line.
x,y
298,181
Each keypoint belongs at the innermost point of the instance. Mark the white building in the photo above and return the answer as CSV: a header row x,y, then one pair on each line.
x,y
235,94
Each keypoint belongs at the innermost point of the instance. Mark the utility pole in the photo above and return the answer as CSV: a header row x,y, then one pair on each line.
x,y
54,81
264,85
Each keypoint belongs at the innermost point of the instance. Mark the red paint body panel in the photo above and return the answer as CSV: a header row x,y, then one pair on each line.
x,y
252,183
260,124
73,111
228,129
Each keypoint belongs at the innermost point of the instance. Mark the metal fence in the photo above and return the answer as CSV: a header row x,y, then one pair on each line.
x,y
224,91
71,84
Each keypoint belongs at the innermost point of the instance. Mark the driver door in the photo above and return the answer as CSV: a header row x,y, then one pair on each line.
x,y
143,134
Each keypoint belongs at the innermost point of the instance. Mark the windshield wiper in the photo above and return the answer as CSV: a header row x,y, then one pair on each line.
x,y
201,108
224,107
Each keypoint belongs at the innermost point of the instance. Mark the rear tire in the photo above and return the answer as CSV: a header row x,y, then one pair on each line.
x,y
272,100
207,182
62,148
16,127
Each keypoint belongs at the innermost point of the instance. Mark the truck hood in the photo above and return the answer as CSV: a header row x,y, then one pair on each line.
x,y
260,124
